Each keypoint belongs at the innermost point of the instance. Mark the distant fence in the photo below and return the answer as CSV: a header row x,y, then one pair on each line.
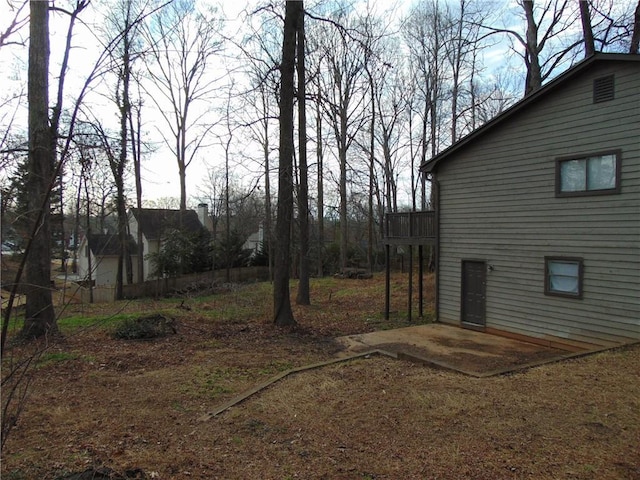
x,y
163,286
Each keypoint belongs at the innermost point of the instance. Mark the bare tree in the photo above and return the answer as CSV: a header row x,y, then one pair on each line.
x,y
123,26
261,104
283,315
344,96
546,30
635,35
303,296
377,68
587,30
390,134
320,173
43,172
183,43
40,317
19,19
41,324
123,60
615,26
226,141
463,46
426,35
111,145
122,30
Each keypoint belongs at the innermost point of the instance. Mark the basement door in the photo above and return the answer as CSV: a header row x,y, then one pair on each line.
x,y
473,294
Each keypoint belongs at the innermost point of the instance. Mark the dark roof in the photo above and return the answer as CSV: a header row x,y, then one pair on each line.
x,y
153,222
565,77
106,244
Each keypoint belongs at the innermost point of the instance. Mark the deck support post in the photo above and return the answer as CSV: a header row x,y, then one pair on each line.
x,y
409,306
420,281
387,280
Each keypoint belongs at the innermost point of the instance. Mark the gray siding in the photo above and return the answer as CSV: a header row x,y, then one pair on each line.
x,y
498,204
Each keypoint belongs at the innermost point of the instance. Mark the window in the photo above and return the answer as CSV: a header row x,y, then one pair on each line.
x,y
596,174
563,276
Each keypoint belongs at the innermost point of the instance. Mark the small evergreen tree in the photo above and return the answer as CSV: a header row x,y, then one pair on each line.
x,y
182,253
229,253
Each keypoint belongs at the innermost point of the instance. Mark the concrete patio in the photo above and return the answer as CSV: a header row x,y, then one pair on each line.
x,y
454,348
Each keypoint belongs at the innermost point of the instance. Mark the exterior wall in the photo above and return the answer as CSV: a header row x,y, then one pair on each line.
x,y
104,268
254,241
150,246
497,203
83,262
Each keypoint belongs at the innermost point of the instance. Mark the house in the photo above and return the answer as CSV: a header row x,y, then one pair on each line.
x,y
152,224
538,213
99,255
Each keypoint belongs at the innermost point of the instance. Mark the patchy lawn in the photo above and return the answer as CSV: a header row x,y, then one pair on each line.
x,y
137,406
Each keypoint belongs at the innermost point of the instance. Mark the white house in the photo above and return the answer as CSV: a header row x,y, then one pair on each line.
x,y
99,252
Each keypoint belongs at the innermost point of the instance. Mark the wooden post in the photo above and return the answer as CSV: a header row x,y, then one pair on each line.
x,y
409,306
387,281
420,281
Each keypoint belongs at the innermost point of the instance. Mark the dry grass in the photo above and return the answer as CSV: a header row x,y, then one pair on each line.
x,y
100,401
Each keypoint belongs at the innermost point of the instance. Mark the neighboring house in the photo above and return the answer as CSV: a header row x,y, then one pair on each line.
x,y
99,253
538,213
153,223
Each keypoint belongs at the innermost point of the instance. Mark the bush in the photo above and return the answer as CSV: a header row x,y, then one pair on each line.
x,y
143,328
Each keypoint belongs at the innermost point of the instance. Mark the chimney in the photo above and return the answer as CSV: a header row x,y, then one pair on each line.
x,y
203,213
203,216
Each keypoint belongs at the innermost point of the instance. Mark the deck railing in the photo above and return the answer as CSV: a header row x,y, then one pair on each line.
x,y
410,227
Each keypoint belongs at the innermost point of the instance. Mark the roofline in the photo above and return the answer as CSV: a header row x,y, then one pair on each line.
x,y
578,68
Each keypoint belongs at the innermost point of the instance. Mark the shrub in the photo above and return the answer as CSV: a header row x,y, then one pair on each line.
x,y
143,328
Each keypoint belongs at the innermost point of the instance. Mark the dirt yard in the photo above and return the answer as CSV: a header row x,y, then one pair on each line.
x,y
137,409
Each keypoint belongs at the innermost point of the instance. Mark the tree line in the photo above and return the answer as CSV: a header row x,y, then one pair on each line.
x,y
377,88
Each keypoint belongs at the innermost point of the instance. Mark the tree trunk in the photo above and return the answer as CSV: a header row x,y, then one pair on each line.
x,y
40,317
342,155
125,115
227,210
267,200
136,154
122,234
283,315
303,296
370,221
88,234
532,59
319,154
587,30
635,36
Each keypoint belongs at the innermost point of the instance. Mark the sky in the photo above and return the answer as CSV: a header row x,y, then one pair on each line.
x,y
159,170
160,173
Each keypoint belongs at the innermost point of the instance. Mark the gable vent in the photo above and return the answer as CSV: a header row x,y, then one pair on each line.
x,y
603,89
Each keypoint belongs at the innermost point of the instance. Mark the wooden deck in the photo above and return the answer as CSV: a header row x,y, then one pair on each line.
x,y
410,228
